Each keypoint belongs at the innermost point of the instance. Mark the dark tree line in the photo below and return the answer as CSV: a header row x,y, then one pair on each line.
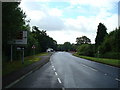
x,y
14,21
67,46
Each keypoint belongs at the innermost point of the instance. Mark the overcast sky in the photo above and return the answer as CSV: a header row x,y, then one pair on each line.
x,y
65,20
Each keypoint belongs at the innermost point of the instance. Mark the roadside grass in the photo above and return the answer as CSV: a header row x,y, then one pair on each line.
x,y
112,62
9,67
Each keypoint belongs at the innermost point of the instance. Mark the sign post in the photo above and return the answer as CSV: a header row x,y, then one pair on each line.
x,y
23,56
21,40
33,47
11,52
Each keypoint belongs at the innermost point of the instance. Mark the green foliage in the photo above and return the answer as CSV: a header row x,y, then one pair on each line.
x,y
112,55
67,46
13,21
9,67
113,62
83,40
101,33
86,49
110,48
44,41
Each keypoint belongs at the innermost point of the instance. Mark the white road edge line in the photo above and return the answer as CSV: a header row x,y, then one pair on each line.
x,y
59,80
89,67
10,85
56,73
93,69
63,88
117,79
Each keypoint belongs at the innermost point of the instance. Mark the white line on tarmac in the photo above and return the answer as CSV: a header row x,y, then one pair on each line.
x,y
13,83
93,69
89,67
56,73
54,69
105,74
59,80
117,79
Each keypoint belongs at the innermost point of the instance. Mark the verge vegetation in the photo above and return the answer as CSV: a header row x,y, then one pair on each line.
x,y
113,62
9,67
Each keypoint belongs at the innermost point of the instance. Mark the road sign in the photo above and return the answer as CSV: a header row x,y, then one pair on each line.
x,y
22,38
33,46
20,35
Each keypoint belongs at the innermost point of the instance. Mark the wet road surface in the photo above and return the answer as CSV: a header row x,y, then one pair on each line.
x,y
67,71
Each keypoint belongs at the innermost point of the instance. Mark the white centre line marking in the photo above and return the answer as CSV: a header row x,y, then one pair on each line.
x,y
117,79
54,69
59,80
105,74
56,74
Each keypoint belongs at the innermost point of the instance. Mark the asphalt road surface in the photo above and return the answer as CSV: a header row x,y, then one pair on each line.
x,y
67,71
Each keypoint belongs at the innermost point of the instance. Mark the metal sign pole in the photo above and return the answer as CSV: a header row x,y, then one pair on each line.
x,y
11,52
23,56
34,51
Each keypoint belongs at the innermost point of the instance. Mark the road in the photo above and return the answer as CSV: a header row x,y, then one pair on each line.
x,y
67,71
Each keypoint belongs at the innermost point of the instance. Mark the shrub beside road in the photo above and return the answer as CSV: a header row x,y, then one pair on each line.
x,y
9,67
113,62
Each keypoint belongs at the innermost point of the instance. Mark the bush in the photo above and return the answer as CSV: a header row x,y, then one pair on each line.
x,y
112,55
86,49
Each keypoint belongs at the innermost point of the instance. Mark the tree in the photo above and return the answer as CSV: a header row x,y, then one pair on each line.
x,y
86,49
13,21
83,40
101,33
43,39
67,46
110,48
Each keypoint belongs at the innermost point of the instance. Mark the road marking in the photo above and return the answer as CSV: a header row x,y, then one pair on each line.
x,y
90,67
53,66
13,83
93,69
105,74
59,80
63,88
117,79
54,69
56,74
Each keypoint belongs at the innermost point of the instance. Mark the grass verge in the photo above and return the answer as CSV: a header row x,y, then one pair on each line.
x,y
9,67
112,62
